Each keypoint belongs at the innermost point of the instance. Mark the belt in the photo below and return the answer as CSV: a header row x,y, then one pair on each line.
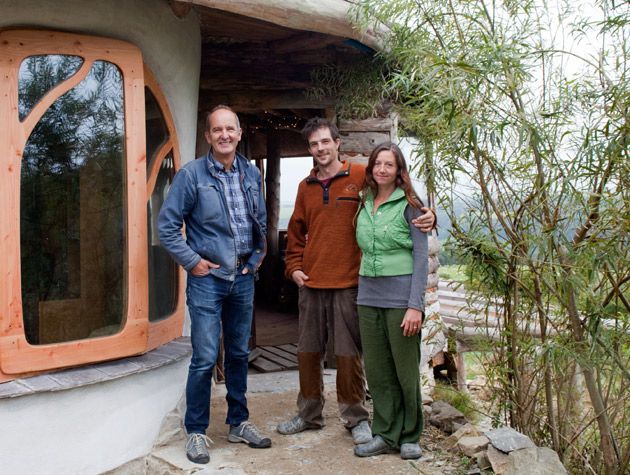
x,y
242,260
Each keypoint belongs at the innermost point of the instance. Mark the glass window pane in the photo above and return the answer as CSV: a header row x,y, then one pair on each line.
x,y
39,74
163,272
157,132
72,214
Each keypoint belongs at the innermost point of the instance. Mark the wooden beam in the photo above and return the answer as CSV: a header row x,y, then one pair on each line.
x,y
221,54
256,101
272,198
303,41
362,143
367,125
274,77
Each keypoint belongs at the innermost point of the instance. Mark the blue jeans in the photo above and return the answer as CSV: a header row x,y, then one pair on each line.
x,y
213,304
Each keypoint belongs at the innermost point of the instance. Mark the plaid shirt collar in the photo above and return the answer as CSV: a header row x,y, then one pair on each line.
x,y
218,166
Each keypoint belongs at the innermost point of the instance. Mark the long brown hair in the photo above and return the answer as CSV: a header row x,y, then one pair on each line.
x,y
403,180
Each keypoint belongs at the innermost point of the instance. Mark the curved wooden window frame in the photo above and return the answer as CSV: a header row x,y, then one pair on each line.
x,y
17,356
170,327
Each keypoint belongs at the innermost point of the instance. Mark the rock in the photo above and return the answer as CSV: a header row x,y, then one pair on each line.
x,y
446,417
474,471
534,461
467,430
507,439
434,246
482,460
457,426
434,264
428,410
172,427
430,297
426,399
471,445
498,460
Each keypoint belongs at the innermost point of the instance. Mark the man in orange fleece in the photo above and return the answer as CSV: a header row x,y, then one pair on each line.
x,y
323,259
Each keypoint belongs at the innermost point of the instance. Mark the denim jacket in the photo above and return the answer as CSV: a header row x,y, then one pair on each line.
x,y
197,199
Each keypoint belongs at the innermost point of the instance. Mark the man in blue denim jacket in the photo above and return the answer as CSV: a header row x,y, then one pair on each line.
x,y
219,199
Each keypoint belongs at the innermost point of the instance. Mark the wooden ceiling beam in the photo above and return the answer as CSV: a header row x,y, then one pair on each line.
x,y
303,41
214,54
256,101
256,78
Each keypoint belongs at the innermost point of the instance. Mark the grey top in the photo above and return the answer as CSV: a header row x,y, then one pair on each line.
x,y
400,291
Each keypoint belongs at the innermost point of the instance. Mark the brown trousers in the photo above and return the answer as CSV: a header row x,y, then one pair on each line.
x,y
324,312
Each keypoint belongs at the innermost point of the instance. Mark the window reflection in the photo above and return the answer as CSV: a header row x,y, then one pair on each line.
x,y
72,190
39,74
157,132
163,272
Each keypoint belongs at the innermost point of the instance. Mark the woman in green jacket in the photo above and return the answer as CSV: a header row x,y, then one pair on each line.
x,y
392,281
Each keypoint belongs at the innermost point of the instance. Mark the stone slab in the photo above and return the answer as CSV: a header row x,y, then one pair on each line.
x,y
507,439
13,389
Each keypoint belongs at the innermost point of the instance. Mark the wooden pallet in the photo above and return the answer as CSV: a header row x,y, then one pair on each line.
x,y
275,358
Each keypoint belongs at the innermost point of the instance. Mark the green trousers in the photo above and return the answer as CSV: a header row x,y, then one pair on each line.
x,y
393,374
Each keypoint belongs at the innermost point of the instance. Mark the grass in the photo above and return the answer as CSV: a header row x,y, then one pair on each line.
x,y
474,364
460,401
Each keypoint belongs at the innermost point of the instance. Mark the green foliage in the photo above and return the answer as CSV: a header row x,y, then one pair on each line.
x,y
517,118
356,88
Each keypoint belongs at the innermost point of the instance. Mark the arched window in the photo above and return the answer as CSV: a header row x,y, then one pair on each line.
x,y
75,189
166,297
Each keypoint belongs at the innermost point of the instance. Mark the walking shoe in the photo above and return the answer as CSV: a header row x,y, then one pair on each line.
x,y
410,451
361,433
376,446
295,425
249,434
197,448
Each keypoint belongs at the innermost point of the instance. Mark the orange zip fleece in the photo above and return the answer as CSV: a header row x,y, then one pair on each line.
x,y
321,234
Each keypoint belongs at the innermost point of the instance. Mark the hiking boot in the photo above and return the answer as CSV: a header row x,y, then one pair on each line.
x,y
361,433
249,434
410,451
295,425
376,446
197,448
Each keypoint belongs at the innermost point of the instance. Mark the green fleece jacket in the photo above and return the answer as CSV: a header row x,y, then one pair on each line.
x,y
384,237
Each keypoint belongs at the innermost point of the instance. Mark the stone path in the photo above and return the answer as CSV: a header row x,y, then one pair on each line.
x,y
328,451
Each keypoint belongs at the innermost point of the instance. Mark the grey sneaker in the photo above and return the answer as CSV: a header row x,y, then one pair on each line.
x,y
249,434
197,448
410,451
376,446
295,425
361,433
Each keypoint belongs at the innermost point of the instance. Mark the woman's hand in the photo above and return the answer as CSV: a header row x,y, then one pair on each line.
x,y
412,322
426,221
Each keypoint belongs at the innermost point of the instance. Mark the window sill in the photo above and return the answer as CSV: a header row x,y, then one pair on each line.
x,y
171,352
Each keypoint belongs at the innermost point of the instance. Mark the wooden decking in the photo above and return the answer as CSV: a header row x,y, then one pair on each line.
x,y
275,358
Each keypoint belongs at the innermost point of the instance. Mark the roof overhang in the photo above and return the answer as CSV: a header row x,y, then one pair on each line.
x,y
329,17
